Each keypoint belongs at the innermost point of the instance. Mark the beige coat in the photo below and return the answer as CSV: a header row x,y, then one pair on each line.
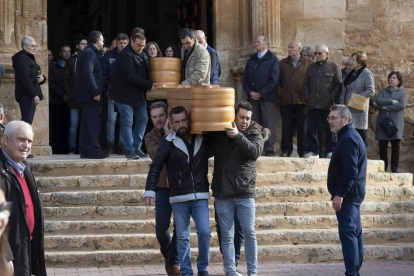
x,y
198,67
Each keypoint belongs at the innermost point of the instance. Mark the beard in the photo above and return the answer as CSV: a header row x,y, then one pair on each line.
x,y
182,132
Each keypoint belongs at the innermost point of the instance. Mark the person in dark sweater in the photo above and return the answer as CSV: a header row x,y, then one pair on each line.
x,y
346,184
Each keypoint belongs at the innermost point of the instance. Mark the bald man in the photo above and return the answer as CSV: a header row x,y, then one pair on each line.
x,y
292,103
215,64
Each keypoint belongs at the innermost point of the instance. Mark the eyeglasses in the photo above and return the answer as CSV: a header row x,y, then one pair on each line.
x,y
318,53
332,118
6,206
33,46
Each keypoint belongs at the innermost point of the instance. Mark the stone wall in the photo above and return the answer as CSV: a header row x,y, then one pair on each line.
x,y
17,19
383,29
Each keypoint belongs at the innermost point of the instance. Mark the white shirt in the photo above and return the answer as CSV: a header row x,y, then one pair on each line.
x,y
260,55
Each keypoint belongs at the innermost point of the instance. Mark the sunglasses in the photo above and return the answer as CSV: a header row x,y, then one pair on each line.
x,y
318,53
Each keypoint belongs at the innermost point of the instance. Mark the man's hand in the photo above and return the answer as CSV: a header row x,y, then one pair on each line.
x,y
232,131
36,100
97,98
337,202
149,200
154,88
383,107
65,98
11,267
167,130
395,102
255,96
40,79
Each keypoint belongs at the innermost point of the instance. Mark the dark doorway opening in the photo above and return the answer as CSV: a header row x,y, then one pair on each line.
x,y
161,19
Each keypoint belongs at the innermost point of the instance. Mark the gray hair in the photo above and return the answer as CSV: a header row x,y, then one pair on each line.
x,y
186,32
14,125
324,46
26,40
309,51
343,111
1,109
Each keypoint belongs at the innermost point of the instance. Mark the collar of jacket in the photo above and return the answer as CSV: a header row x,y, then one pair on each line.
x,y
253,127
94,49
398,89
179,143
266,56
344,129
196,47
323,62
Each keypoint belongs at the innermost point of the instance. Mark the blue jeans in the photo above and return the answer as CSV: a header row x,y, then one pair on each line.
x,y
350,234
245,210
163,212
73,129
110,125
198,209
314,117
133,139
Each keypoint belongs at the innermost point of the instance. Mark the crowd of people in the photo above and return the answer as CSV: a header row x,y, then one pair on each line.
x,y
106,96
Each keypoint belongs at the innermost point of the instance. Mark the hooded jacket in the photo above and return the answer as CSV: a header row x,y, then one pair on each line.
x,y
26,70
235,161
186,182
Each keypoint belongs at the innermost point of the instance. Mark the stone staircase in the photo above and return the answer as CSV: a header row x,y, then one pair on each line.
x,y
95,214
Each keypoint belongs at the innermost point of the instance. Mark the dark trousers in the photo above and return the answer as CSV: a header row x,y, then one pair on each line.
x,y
103,142
238,235
364,135
27,109
350,234
59,122
264,113
395,153
289,113
163,211
314,117
90,127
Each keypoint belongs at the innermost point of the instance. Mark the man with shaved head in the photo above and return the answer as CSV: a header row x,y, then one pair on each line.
x,y
260,79
215,64
292,103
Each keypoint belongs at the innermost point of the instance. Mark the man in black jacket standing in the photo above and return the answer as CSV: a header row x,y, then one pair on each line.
x,y
128,87
260,79
186,157
234,183
26,229
89,93
346,183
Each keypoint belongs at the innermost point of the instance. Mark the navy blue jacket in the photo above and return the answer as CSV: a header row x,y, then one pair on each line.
x,y
55,83
262,75
348,167
108,67
214,65
89,77
130,80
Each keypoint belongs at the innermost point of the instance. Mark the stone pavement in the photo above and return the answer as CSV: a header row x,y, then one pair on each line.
x,y
369,268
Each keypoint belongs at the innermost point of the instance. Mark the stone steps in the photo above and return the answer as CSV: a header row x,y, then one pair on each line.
x,y
262,210
133,226
263,195
74,166
279,253
138,181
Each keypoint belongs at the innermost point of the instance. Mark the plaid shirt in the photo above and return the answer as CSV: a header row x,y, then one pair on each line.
x,y
18,167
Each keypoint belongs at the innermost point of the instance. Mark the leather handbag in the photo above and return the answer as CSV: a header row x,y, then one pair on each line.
x,y
388,126
358,102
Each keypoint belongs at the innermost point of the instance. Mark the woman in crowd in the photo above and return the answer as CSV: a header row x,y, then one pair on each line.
x,y
392,101
170,50
152,49
6,267
361,82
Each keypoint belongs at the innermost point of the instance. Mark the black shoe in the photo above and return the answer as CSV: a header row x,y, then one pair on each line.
x,y
203,273
30,156
284,154
84,154
72,151
269,153
98,155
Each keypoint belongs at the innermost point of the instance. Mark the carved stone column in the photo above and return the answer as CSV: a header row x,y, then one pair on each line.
x,y
266,21
17,19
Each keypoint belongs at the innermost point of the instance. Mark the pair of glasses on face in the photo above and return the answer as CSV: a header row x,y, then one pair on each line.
x,y
332,118
318,53
6,206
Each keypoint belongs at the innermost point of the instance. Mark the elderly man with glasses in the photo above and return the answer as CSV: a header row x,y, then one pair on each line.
x,y
321,88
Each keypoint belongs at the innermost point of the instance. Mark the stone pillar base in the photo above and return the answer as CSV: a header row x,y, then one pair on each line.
x,y
41,150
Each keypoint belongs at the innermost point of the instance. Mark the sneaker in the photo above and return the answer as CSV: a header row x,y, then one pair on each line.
x,y
329,155
72,151
284,154
238,272
140,153
311,155
132,155
203,273
98,155
269,153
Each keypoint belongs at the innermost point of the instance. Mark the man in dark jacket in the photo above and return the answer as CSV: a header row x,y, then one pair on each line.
x,y
89,93
292,103
28,78
234,183
346,183
128,87
26,230
58,107
108,66
260,79
215,64
321,88
69,83
186,157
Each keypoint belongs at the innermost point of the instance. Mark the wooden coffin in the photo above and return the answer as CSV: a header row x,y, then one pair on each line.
x,y
211,108
167,73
